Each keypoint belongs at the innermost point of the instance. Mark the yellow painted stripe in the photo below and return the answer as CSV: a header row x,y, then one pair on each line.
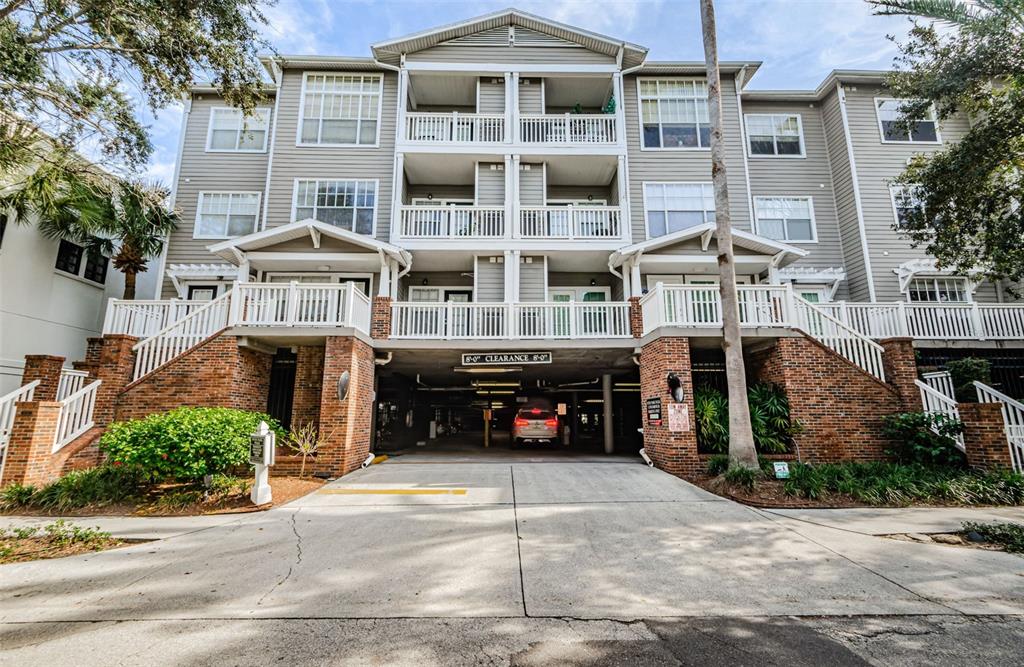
x,y
394,492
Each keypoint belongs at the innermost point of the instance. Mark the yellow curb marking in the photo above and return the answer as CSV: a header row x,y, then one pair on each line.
x,y
394,492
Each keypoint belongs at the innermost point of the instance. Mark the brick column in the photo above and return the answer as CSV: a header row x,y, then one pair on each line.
x,y
985,435
309,376
636,317
92,357
900,364
380,317
30,449
345,425
46,369
115,365
675,453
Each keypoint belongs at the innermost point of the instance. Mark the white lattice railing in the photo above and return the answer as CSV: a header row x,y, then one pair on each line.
x,y
76,415
181,336
567,129
144,318
933,321
499,321
300,305
936,401
455,127
8,404
452,222
570,222
1013,421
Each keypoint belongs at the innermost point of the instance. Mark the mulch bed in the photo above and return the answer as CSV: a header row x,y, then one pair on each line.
x,y
770,494
42,548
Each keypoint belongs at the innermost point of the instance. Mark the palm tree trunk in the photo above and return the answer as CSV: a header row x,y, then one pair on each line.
x,y
741,437
129,285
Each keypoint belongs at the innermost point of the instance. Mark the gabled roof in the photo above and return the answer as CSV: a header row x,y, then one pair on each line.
x,y
311,228
752,242
391,51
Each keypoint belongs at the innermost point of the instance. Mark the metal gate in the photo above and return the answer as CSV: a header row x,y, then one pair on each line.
x,y
282,387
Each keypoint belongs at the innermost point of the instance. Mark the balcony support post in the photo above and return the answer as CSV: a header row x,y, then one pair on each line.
x,y
634,277
513,117
510,97
513,195
511,222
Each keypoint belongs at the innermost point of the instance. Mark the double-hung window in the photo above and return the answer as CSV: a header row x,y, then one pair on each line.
x,y
340,109
70,258
897,129
938,290
775,135
222,215
671,207
232,131
905,204
785,218
349,205
674,113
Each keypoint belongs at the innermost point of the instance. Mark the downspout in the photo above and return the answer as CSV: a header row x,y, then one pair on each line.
x,y
856,192
740,81
278,78
174,196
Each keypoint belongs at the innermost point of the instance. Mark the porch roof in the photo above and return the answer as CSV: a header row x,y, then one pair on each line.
x,y
234,250
781,253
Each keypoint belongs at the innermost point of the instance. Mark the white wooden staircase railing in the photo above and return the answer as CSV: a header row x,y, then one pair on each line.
x,y
76,415
936,400
8,403
182,335
842,339
1013,421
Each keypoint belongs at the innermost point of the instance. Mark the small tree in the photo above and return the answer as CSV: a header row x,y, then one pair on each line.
x,y
305,440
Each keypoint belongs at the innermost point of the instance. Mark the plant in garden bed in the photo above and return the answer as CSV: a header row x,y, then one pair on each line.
x,y
104,485
929,438
769,417
59,538
305,441
185,443
1008,535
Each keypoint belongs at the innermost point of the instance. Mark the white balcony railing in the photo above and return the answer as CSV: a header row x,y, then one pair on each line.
x,y
300,305
570,222
498,321
455,127
76,415
143,318
452,222
932,321
568,129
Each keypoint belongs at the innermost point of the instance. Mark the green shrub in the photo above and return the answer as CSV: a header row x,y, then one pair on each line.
x,y
185,443
711,409
769,419
717,464
924,437
1010,535
895,484
963,373
744,477
104,485
16,495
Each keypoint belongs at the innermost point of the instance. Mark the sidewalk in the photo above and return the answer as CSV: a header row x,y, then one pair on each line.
x,y
892,520
133,527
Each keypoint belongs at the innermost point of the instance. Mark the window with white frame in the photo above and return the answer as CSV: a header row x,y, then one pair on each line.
x,y
222,215
938,290
897,129
340,109
346,204
671,207
905,203
231,130
785,218
674,113
774,134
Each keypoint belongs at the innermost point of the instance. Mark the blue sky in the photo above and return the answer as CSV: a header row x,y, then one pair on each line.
x,y
800,41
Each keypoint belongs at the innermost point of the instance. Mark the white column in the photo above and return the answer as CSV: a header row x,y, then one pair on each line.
x,y
609,432
397,190
403,102
511,275
393,269
514,118
634,278
243,270
384,283
621,181
510,208
514,195
509,101
620,108
627,290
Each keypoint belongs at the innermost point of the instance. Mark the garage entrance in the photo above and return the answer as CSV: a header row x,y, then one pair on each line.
x,y
430,401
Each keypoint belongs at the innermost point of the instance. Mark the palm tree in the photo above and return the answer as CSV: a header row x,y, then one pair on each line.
x,y
741,437
127,221
955,12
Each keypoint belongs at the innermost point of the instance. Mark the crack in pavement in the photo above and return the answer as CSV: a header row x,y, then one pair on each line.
x,y
291,568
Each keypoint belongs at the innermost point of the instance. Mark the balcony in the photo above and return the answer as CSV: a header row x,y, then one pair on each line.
x,y
452,222
932,321
503,321
455,128
555,223
568,129
570,222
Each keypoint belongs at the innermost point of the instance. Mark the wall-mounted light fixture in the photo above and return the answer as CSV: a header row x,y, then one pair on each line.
x,y
675,387
593,282
343,382
430,196
423,282
590,197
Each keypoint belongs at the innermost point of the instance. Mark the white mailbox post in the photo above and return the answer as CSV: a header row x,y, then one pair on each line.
x,y
261,454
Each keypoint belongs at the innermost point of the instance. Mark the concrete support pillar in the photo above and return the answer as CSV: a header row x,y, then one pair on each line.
x,y
672,451
900,365
345,423
606,417
985,436
46,369
30,448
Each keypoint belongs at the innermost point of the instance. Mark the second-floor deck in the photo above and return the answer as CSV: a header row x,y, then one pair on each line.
x,y
596,223
566,129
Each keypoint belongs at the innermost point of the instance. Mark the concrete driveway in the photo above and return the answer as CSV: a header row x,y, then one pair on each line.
x,y
611,541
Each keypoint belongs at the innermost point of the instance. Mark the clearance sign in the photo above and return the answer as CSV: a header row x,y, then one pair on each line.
x,y
501,358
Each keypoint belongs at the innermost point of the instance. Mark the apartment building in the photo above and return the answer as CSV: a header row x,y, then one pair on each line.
x,y
507,209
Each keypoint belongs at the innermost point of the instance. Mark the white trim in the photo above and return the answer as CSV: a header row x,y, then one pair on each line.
x,y
343,275
302,107
893,188
739,80
643,190
967,290
376,201
238,132
581,202
278,82
158,289
442,289
858,204
810,205
909,141
577,291
799,126
217,237
640,115
524,68
442,201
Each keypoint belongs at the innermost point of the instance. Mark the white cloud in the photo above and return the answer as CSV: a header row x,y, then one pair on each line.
x,y
612,17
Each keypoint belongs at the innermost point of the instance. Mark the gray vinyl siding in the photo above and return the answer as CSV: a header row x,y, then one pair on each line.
x,y
490,280
807,176
492,95
688,166
207,172
490,184
293,162
531,279
531,184
464,53
531,99
581,192
877,164
420,191
434,279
